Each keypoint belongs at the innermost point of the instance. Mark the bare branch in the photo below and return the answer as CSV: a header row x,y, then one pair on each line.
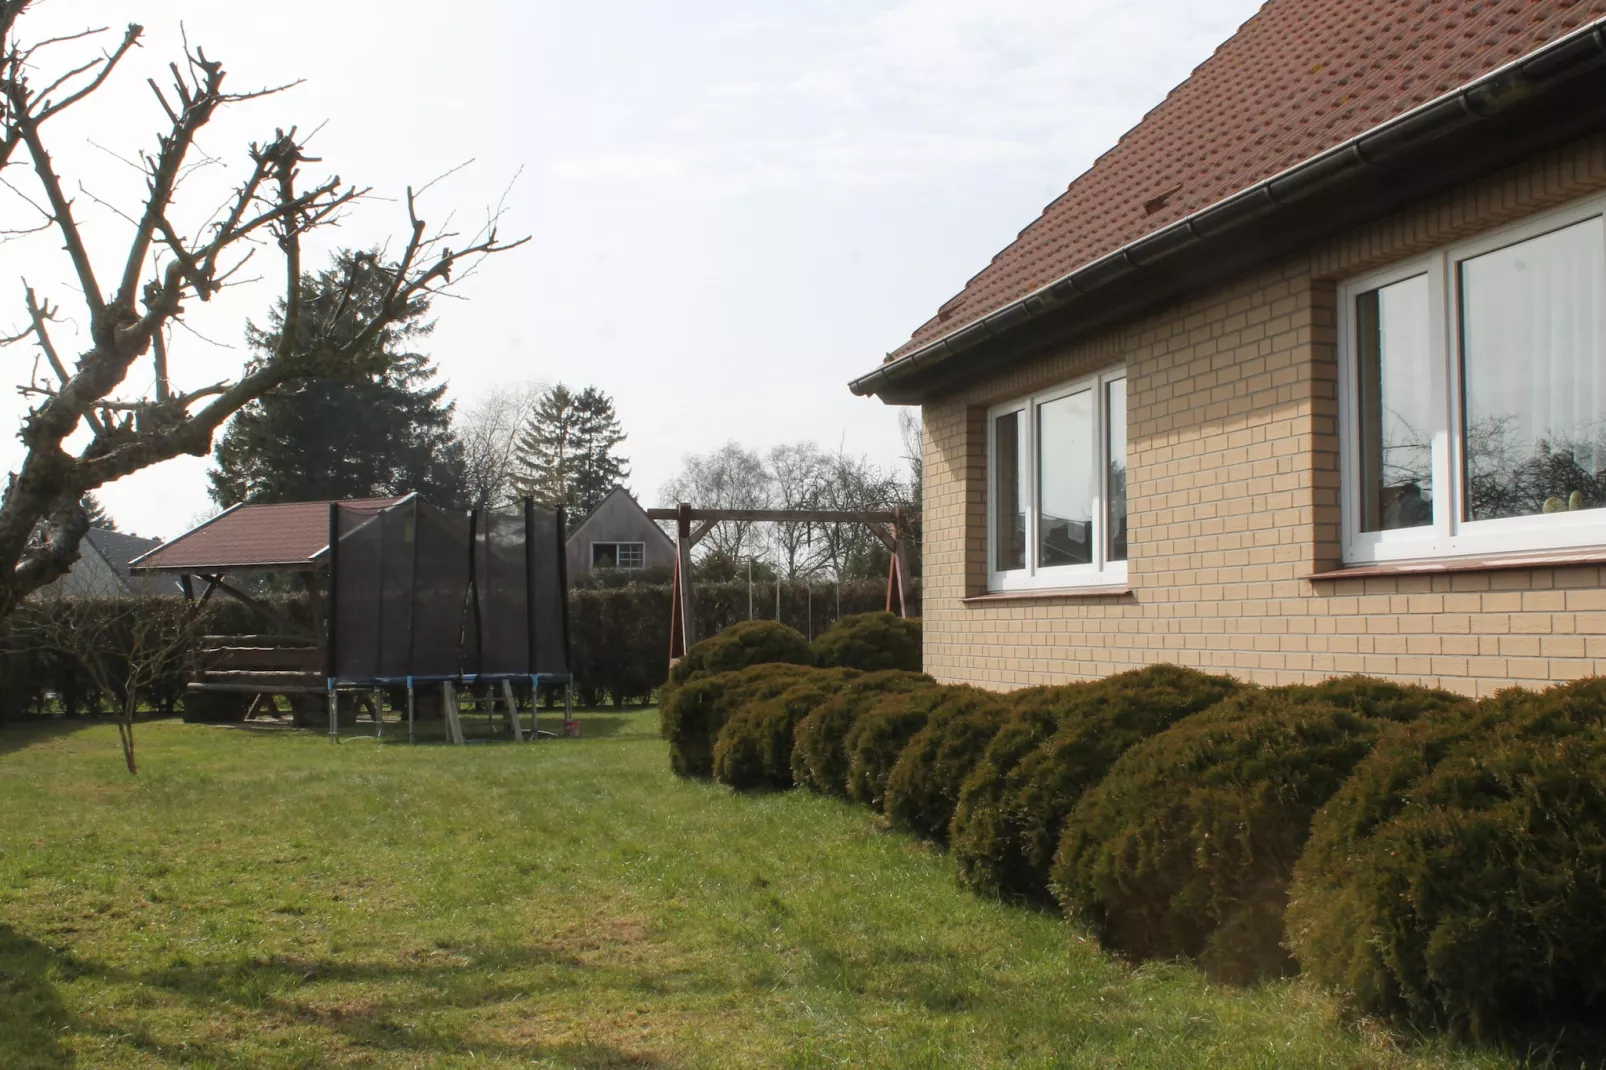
x,y
108,64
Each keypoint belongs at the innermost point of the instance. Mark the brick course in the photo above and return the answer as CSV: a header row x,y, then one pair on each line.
x,y
1233,497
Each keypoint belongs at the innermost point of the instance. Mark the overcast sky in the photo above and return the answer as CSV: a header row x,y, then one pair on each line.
x,y
735,206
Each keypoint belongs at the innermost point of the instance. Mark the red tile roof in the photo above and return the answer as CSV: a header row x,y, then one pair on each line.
x,y
254,536
1299,77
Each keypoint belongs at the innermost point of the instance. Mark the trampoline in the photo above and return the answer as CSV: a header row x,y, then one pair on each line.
x,y
423,596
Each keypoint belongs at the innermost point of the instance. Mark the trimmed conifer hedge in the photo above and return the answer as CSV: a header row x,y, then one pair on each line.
x,y
923,786
871,642
1187,845
752,642
1017,803
819,755
878,736
754,748
1459,878
693,714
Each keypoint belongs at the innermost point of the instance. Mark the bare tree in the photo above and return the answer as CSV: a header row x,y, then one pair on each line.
x,y
124,645
165,266
798,473
731,477
489,431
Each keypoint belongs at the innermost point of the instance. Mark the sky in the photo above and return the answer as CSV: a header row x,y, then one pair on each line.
x,y
734,207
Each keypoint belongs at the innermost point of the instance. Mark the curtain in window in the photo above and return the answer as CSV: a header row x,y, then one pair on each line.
x,y
1533,324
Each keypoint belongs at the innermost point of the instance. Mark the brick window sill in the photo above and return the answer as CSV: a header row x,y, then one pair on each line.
x,y
1444,566
1047,594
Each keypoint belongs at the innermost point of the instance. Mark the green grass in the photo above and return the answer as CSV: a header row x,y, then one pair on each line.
x,y
265,898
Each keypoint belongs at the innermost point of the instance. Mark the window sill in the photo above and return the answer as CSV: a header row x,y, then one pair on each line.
x,y
1046,594
1436,566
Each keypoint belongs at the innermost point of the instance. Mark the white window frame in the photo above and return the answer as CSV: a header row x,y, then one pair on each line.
x,y
1449,535
616,556
1102,572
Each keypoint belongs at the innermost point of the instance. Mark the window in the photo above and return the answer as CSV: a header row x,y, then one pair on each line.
x,y
618,554
1473,413
1057,487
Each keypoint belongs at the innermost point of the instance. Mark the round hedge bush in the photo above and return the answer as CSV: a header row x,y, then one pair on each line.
x,y
871,642
982,835
754,747
923,786
819,757
1188,844
1459,878
877,738
1017,799
752,642
692,715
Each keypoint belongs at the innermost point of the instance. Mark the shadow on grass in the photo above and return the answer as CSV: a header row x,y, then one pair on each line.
x,y
32,1015
34,1019
31,731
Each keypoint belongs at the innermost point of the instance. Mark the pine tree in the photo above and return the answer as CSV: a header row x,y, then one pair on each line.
x,y
598,434
98,516
384,433
567,452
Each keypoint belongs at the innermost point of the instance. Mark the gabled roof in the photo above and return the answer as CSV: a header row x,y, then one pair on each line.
x,y
616,492
284,535
1298,78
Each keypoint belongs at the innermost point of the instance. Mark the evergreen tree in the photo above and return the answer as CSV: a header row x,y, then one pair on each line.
x,y
386,431
98,516
567,454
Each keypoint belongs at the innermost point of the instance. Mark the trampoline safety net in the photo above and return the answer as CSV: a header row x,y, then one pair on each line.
x,y
424,593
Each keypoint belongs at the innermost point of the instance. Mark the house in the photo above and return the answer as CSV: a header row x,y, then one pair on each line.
x,y
617,535
1305,376
101,570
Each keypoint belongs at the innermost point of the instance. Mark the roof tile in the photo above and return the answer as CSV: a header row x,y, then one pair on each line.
x,y
1299,77
255,536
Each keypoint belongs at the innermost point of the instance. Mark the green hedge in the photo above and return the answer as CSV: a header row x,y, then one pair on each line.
x,y
923,787
819,755
871,642
754,748
1187,845
692,715
752,642
1459,877
1017,801
876,740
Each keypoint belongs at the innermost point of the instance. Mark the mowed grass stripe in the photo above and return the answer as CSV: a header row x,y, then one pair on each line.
x,y
262,898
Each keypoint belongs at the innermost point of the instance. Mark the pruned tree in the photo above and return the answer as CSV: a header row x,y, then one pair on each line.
x,y
123,645
488,431
165,265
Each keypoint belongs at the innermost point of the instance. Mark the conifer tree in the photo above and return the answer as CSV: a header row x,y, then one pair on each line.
x,y
383,433
567,453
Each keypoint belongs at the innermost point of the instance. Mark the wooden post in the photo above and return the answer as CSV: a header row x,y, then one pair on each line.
x,y
683,628
900,560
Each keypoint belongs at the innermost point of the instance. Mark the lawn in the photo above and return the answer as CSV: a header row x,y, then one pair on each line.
x,y
264,898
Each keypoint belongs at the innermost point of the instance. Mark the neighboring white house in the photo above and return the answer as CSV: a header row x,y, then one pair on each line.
x,y
617,536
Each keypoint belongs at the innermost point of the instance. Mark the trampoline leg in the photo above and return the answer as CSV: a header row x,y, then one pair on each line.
x,y
410,713
454,727
512,711
379,714
334,716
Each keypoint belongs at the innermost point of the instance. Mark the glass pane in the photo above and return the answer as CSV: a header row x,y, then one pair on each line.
x,y
1009,488
1115,421
1533,375
1396,411
1066,488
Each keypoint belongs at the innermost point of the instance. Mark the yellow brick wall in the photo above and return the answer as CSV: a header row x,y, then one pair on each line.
x,y
1232,488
